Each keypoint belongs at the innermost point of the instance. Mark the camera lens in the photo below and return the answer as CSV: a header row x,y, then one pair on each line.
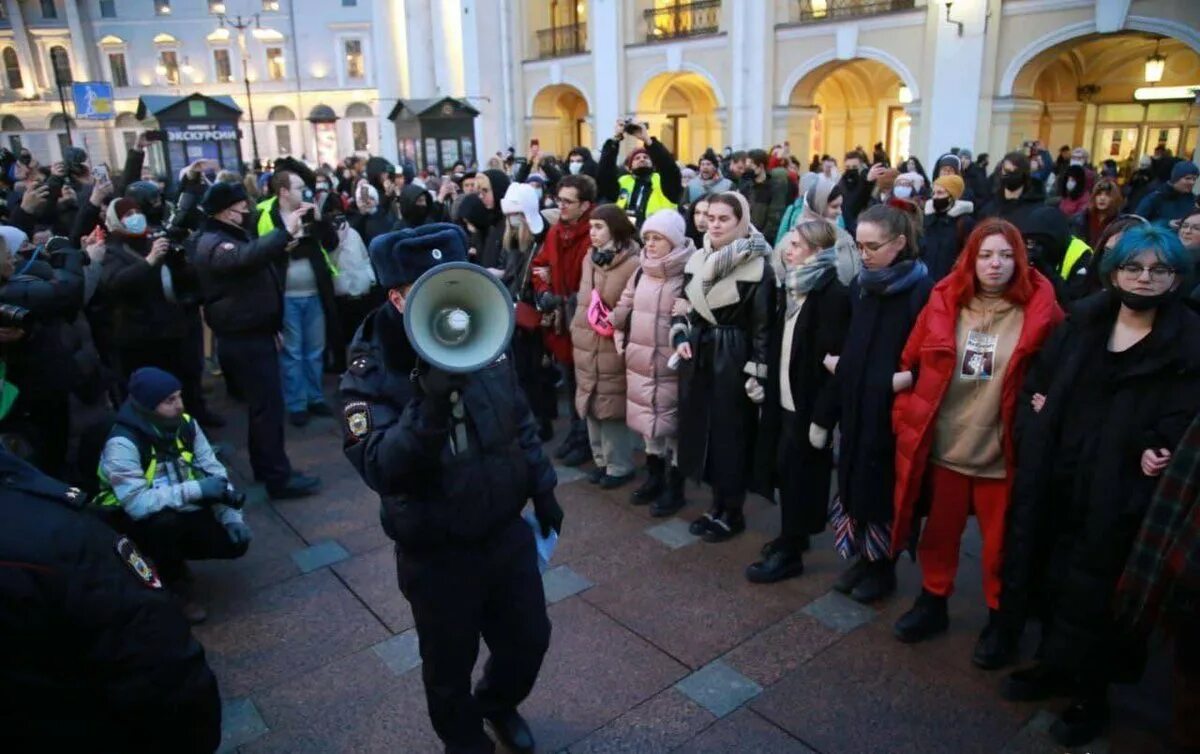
x,y
12,315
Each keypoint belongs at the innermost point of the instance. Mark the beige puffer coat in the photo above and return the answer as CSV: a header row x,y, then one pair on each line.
x,y
599,369
652,388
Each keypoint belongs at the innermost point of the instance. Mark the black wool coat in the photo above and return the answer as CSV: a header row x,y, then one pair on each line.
x,y
1152,404
879,328
820,329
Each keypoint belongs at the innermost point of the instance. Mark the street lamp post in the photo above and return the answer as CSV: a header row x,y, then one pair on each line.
x,y
240,25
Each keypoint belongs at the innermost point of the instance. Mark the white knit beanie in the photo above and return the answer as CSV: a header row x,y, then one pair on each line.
x,y
668,223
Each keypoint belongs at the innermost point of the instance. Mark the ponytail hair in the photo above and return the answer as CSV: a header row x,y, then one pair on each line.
x,y
895,222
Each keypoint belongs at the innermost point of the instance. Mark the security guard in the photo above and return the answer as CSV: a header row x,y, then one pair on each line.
x,y
465,559
653,182
94,653
241,277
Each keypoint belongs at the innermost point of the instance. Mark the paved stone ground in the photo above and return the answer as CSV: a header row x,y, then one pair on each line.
x,y
659,643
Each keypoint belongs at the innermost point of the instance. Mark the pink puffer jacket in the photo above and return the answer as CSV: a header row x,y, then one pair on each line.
x,y
644,312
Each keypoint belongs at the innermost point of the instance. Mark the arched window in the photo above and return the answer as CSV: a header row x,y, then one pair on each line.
x,y
11,123
12,69
359,110
62,65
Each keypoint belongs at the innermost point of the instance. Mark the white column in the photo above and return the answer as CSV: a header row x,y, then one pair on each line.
x,y
473,88
418,56
1064,118
448,51
388,34
24,51
956,77
752,53
605,23
1014,120
81,70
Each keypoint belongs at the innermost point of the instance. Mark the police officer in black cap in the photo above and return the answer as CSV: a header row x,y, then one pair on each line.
x,y
242,277
94,653
465,558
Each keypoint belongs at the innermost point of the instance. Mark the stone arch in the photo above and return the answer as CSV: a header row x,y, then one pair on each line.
x,y
557,116
635,91
126,120
803,71
359,110
281,112
11,123
1016,75
682,108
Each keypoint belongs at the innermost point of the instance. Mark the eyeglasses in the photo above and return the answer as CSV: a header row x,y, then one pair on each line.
x,y
871,248
566,202
1158,273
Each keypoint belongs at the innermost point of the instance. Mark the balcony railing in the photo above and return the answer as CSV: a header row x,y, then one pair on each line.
x,y
562,40
838,10
683,19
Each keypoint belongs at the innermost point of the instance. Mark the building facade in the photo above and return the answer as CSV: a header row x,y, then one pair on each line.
x,y
919,76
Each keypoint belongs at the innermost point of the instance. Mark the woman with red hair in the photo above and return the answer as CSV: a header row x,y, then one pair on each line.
x,y
961,375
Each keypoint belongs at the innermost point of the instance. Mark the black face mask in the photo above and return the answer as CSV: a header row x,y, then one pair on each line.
x,y
416,214
250,222
1142,303
1012,181
942,204
851,177
643,172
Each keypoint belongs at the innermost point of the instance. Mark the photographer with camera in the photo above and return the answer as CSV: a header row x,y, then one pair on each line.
x,y
653,182
309,308
159,469
241,277
41,294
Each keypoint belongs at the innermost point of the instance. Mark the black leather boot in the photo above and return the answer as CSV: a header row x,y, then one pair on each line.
x,y
927,618
782,562
672,500
997,645
879,582
851,576
510,729
1082,722
655,482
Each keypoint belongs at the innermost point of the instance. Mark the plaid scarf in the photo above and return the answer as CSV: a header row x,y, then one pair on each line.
x,y
803,278
1162,576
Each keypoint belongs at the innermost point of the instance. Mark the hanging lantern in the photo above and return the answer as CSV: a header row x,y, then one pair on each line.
x,y
1155,64
904,95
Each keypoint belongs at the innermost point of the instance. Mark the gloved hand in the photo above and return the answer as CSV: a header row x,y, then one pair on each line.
x,y
438,384
754,390
817,436
212,488
548,512
238,532
547,301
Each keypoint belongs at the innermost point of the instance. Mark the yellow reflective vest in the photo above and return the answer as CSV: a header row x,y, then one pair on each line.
x,y
266,224
657,201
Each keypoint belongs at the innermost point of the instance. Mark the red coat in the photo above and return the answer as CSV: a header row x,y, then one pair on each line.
x,y
563,252
932,346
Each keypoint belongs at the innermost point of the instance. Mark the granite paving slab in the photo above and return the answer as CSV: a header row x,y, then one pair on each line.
x,y
718,688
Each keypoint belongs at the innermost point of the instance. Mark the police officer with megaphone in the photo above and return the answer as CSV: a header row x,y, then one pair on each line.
x,y
436,423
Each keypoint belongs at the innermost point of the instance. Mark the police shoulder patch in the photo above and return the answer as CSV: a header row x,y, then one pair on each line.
x,y
228,246
358,419
137,563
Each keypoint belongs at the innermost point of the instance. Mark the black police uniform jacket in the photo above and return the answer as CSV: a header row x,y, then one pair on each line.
x,y
432,497
94,653
241,278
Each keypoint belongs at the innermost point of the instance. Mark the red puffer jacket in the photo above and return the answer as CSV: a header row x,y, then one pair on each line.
x,y
932,350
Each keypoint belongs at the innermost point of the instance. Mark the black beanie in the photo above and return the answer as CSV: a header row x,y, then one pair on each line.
x,y
221,196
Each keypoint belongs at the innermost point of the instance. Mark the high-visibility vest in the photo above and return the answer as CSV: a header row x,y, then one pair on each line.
x,y
266,224
106,497
657,201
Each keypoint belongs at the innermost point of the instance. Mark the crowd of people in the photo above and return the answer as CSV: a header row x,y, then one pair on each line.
x,y
881,350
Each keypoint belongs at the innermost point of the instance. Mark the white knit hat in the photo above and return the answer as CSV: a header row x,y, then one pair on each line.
x,y
521,198
669,224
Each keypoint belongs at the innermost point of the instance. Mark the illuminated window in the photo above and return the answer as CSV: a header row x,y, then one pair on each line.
x,y
116,64
222,66
275,64
355,68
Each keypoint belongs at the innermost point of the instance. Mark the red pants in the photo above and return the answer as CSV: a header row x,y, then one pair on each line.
x,y
954,497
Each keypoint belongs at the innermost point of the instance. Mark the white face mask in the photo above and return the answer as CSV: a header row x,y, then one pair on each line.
x,y
514,221
575,167
1077,161
1071,184
902,192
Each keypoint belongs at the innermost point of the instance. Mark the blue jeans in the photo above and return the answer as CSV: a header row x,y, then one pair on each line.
x,y
303,351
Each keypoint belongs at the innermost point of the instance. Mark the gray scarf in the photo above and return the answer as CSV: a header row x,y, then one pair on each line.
x,y
725,260
814,273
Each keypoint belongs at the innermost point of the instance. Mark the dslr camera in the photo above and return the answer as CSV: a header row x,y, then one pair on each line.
x,y
12,315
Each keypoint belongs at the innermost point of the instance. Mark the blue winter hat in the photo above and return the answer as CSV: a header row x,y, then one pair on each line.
x,y
150,386
1182,169
402,256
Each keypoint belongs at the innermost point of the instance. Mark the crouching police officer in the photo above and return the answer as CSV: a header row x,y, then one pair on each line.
x,y
465,559
94,653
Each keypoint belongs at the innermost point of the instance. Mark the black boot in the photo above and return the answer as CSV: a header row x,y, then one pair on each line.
x,y
672,500
1082,722
510,729
879,582
655,482
997,645
783,562
926,618
851,577
725,527
1035,683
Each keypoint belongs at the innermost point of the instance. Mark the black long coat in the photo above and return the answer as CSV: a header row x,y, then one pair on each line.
x,y
717,422
879,328
1152,403
820,329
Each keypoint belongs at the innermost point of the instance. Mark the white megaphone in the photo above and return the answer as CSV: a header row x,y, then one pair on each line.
x,y
459,317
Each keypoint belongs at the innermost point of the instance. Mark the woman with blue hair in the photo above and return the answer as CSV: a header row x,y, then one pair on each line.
x,y
1105,405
